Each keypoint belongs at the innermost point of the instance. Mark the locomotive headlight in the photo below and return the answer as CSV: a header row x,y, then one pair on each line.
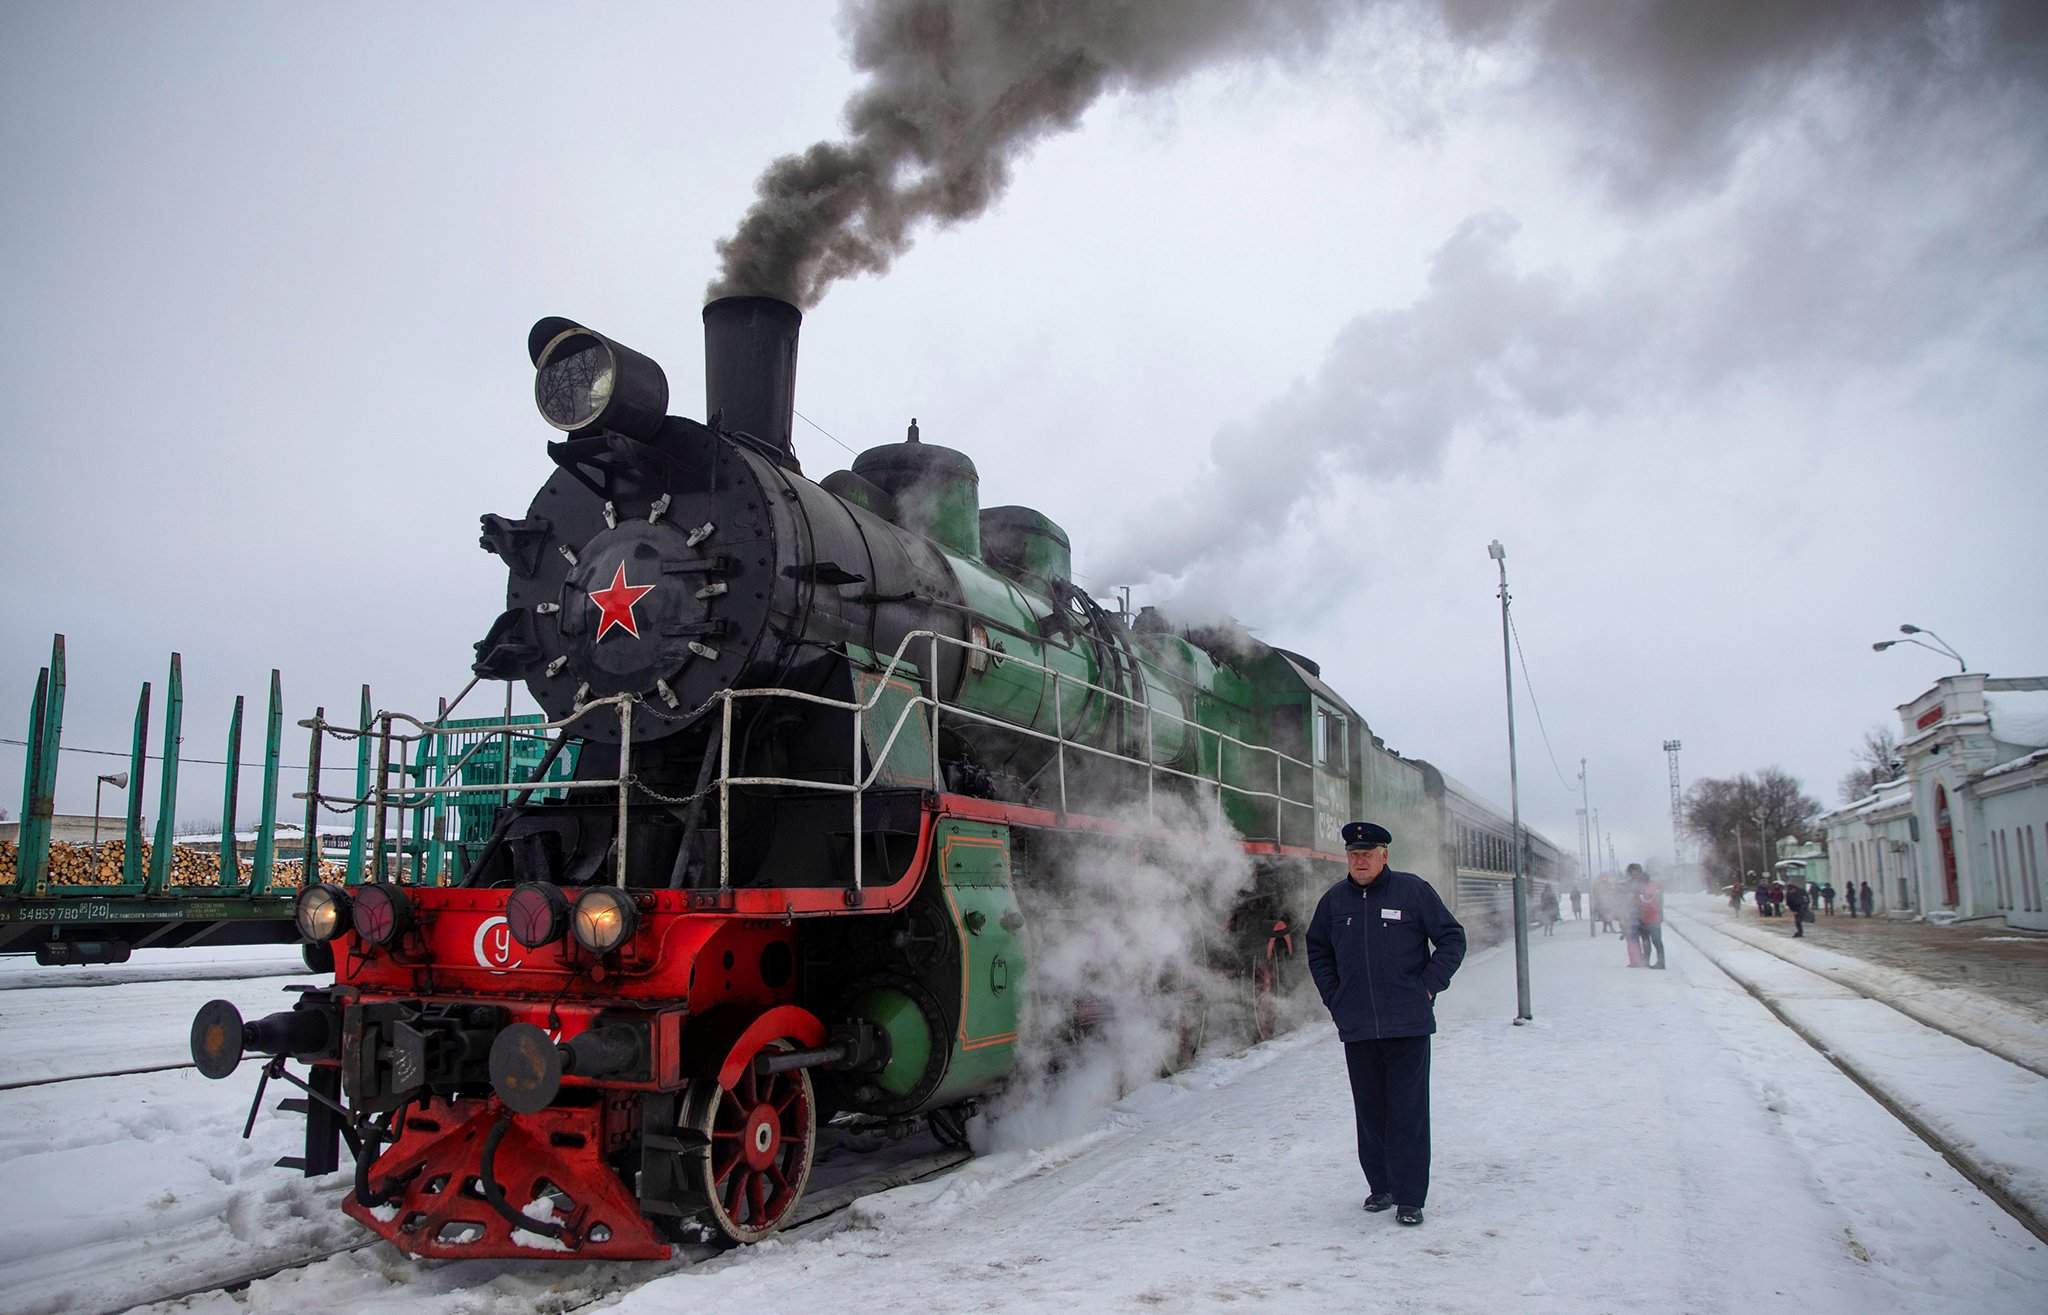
x,y
537,913
603,919
380,913
584,382
321,912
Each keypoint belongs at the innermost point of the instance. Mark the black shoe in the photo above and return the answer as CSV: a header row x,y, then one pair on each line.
x,y
1379,1201
1409,1214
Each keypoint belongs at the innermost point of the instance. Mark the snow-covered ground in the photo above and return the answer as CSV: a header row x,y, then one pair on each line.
x,y
1653,1142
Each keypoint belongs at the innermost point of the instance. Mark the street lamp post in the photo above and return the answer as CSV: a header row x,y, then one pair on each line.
x,y
1923,630
1911,630
1521,878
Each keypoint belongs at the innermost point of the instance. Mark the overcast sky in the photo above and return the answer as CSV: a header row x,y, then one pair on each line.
x,y
1730,324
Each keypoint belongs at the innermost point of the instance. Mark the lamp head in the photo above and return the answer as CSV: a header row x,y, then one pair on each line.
x,y
1909,630
1495,551
119,780
1882,644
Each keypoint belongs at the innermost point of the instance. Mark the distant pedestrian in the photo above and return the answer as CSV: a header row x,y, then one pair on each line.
x,y
1575,903
1549,907
1868,903
1849,897
1827,897
1381,947
1813,896
1735,897
1795,900
1631,915
1649,914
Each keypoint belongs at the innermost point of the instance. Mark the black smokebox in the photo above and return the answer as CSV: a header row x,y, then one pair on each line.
x,y
750,367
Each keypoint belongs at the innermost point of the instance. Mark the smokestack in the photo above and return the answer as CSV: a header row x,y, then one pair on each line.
x,y
750,367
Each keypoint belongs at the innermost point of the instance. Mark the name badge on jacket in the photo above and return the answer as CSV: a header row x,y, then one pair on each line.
x,y
1391,915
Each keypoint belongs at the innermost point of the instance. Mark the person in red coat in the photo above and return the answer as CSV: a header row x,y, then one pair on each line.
x,y
1649,913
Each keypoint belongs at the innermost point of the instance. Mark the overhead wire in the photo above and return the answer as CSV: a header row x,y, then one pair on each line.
x,y
1530,685
208,762
836,439
821,429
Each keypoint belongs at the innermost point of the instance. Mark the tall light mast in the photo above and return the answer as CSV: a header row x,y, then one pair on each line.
x,y
1671,748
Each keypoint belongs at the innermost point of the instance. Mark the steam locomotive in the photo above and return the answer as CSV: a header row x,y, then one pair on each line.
x,y
829,737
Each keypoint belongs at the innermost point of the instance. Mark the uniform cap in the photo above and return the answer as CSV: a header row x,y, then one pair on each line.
x,y
1366,835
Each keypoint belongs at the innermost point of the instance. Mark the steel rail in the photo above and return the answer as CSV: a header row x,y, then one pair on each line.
x,y
89,1077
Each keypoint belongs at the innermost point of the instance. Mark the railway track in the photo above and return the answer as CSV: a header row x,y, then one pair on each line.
x,y
614,1277
56,1079
1711,945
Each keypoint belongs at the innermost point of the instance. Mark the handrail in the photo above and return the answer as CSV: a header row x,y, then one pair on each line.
x,y
384,797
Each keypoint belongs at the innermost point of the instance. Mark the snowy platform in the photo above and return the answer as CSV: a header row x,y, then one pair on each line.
x,y
1652,1142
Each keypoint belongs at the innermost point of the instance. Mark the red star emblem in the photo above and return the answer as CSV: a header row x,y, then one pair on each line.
x,y
615,604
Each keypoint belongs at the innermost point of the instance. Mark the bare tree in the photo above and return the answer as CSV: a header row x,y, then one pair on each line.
x,y
1739,821
1877,761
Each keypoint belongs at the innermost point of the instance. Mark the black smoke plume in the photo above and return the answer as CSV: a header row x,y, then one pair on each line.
x,y
957,92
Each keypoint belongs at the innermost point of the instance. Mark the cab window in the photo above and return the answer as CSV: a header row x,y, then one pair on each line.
x,y
1329,741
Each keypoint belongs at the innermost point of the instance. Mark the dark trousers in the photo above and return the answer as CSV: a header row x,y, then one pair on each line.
x,y
1652,934
1390,1097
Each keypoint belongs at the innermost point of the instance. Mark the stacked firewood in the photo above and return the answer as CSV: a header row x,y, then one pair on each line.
x,y
191,865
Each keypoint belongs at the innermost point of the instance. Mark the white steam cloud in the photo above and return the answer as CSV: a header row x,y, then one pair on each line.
x,y
1132,937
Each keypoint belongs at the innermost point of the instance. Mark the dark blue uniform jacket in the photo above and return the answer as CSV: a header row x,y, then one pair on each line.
x,y
1378,954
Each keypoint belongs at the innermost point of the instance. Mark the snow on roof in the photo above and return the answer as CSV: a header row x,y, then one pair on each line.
x,y
2020,763
2019,716
1888,794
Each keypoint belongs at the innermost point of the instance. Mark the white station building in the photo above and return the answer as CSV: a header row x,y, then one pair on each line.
x,y
1965,831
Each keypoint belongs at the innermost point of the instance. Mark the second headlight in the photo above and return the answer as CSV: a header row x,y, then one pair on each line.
x,y
603,919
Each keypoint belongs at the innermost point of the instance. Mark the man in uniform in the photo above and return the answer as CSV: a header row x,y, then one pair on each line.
x,y
1381,946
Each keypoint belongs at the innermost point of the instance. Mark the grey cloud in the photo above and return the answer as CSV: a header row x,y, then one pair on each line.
x,y
1849,237
1667,93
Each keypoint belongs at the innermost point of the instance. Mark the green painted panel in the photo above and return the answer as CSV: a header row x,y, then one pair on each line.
x,y
910,1039
974,867
79,904
891,712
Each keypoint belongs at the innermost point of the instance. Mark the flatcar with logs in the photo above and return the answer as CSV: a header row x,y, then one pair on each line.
x,y
829,737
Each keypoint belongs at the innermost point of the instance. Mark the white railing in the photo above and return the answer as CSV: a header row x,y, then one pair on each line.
x,y
384,796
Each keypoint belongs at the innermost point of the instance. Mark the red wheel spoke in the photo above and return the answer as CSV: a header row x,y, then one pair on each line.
x,y
782,1106
757,1196
735,1195
718,1175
